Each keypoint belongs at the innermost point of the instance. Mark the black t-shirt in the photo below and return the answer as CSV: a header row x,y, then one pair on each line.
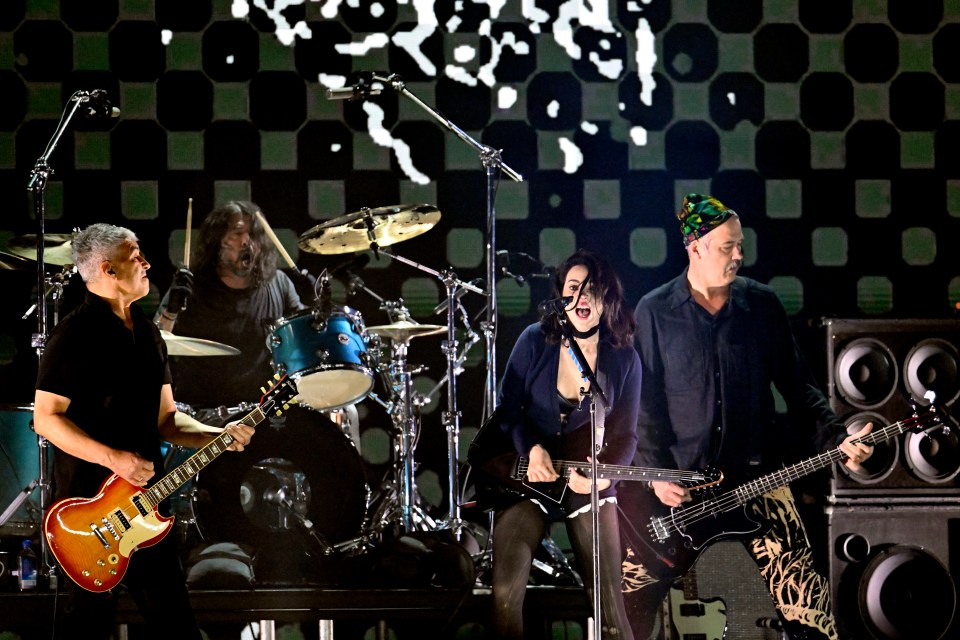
x,y
240,318
113,378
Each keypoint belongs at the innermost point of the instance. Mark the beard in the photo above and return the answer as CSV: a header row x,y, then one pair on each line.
x,y
241,266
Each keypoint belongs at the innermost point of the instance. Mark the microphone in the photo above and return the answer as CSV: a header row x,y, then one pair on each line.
x,y
97,105
360,89
555,306
353,264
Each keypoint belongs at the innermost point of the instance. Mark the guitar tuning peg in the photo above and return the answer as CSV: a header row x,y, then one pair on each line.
x,y
263,391
276,376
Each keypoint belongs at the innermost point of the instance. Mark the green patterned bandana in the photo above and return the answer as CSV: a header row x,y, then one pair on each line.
x,y
700,215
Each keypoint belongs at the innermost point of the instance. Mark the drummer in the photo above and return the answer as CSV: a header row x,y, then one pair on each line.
x,y
232,296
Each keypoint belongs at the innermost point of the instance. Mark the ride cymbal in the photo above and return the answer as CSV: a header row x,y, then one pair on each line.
x,y
357,231
403,330
57,248
186,346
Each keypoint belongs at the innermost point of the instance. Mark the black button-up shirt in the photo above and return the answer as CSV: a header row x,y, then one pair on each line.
x,y
708,383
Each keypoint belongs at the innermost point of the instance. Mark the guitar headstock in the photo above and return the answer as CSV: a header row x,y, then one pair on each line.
x,y
278,397
711,478
927,417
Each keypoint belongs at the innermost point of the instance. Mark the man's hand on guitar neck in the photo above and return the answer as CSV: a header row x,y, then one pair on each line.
x,y
670,494
541,466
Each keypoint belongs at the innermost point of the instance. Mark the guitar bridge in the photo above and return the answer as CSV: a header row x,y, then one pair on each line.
x,y
100,537
658,529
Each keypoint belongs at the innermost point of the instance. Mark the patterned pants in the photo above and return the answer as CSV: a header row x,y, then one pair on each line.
x,y
782,554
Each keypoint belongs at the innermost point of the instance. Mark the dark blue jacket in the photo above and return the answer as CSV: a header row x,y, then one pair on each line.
x,y
529,409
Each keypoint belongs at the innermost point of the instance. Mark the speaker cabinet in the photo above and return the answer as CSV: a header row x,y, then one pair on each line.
x,y
880,371
891,571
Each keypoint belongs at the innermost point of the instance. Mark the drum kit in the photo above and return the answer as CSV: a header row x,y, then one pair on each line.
x,y
335,361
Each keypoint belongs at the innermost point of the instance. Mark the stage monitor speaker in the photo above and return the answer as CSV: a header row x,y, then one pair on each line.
x,y
890,570
879,371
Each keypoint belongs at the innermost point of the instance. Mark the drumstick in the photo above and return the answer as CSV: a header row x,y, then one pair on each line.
x,y
276,241
186,241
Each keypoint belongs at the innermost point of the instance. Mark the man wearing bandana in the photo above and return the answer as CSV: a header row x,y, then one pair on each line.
x,y
713,345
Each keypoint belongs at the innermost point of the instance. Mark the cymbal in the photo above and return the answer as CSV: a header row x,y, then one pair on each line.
x,y
403,330
356,231
186,346
57,248
8,261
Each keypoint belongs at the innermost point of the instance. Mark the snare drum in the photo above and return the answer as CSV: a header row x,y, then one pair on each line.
x,y
325,354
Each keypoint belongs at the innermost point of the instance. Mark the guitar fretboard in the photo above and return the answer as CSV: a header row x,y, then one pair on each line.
x,y
618,472
661,528
198,461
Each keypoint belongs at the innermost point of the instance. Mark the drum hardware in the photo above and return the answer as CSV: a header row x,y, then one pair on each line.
x,y
299,487
55,282
493,166
451,417
398,494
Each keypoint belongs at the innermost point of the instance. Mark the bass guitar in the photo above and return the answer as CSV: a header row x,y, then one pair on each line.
x,y
502,471
685,531
93,538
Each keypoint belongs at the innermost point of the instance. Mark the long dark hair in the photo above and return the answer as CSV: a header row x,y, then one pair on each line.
x,y
206,256
617,323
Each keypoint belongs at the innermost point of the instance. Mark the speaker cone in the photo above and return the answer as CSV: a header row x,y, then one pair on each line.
x,y
866,373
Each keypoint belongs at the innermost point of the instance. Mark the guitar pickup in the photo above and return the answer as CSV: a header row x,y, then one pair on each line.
x,y
138,503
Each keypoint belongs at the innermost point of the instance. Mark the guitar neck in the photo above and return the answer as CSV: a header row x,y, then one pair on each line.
x,y
756,488
617,472
198,461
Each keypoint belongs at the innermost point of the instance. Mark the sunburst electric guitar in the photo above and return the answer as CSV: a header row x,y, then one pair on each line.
x,y
93,538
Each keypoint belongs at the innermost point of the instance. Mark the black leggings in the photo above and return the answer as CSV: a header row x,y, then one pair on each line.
x,y
517,533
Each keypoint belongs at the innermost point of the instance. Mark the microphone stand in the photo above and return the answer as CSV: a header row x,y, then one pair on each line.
x,y
37,186
491,160
597,398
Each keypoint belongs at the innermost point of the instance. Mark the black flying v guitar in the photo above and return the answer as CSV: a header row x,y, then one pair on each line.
x,y
685,531
502,471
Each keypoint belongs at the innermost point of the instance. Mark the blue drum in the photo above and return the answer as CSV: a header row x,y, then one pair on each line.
x,y
326,354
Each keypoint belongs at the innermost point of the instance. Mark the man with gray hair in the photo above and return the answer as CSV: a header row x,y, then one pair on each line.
x,y
104,401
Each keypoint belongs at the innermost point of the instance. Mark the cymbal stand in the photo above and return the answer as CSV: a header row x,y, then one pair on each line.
x,y
451,417
493,164
399,493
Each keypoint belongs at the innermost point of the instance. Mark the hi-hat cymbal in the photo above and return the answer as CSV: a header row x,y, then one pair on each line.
x,y
403,330
358,230
57,248
186,346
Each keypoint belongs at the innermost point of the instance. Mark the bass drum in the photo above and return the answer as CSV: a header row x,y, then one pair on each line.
x,y
299,486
